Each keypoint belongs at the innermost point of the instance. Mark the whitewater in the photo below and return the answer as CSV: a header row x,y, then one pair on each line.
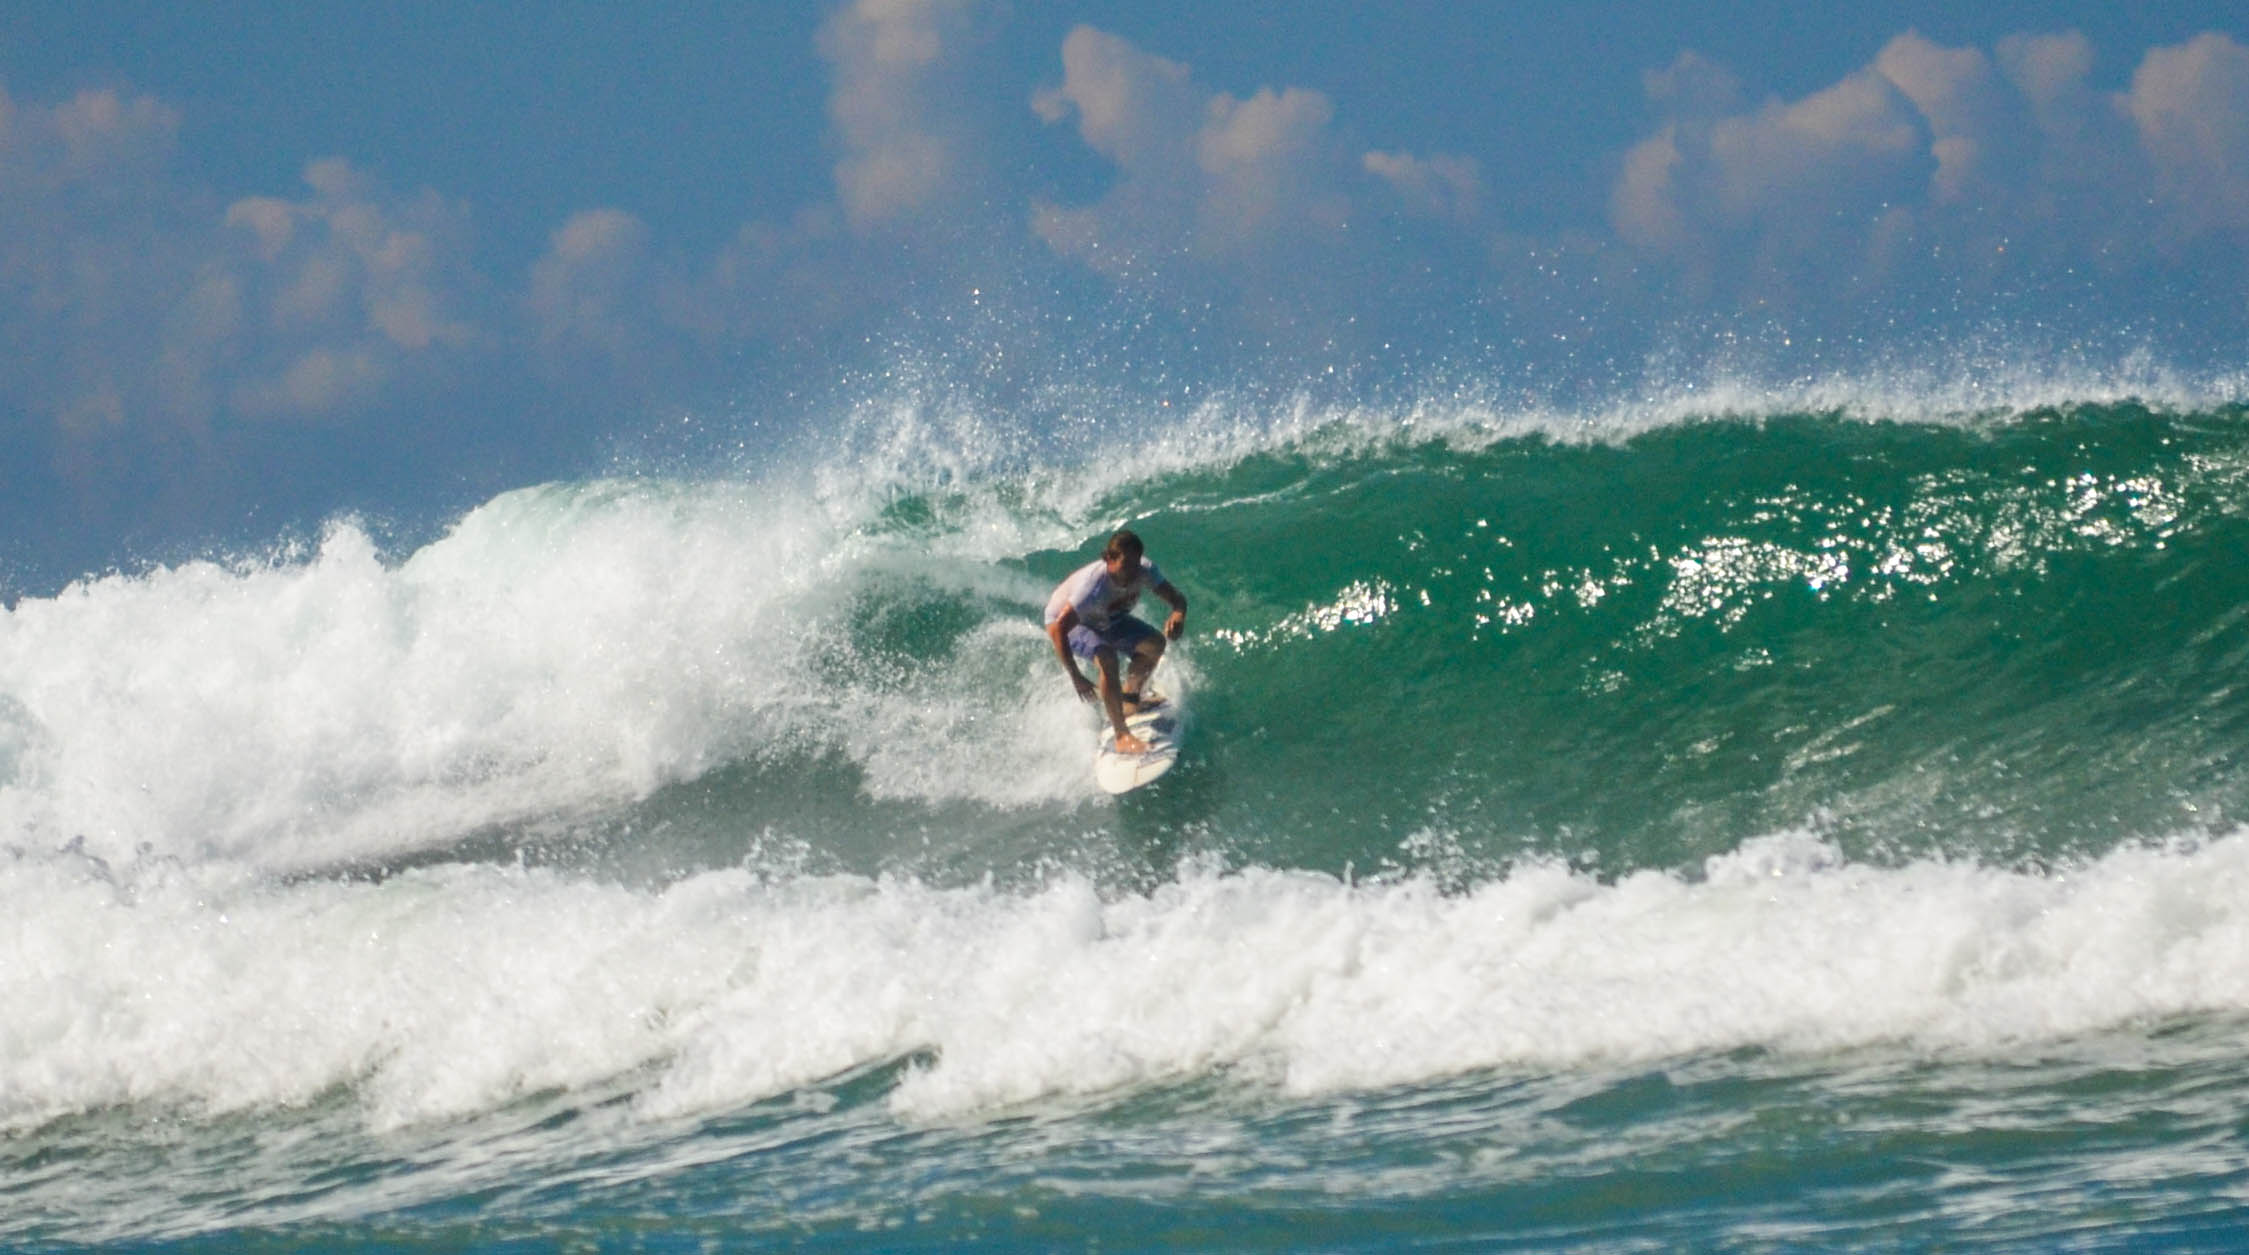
x,y
1738,817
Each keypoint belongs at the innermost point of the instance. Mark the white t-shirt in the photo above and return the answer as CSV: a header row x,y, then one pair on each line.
x,y
1098,598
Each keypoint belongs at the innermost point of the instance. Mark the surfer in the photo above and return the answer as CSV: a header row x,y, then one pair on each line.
x,y
1090,616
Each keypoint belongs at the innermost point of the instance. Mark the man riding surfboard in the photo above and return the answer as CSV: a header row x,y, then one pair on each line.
x,y
1090,616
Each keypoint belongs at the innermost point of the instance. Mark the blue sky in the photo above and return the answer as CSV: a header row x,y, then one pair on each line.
x,y
395,257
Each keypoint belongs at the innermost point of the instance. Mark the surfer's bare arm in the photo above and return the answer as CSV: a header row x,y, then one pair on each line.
x,y
1177,623
1059,632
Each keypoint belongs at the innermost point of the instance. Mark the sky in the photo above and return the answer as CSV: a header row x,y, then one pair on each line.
x,y
393,258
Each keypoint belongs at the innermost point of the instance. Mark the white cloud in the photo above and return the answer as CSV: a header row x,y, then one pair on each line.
x,y
135,303
100,134
320,380
1269,167
146,326
1141,112
610,305
2191,104
1789,170
901,148
1440,186
350,288
1978,128
590,293
1964,159
609,308
130,300
1838,149
1214,179
91,235
1694,86
2051,71
774,279
1132,106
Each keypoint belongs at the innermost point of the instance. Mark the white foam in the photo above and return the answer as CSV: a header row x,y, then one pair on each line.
x,y
456,989
563,648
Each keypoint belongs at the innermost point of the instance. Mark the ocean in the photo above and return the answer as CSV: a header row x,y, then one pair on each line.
x,y
1735,818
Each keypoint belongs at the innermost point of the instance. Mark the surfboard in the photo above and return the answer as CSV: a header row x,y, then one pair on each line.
x,y
1122,773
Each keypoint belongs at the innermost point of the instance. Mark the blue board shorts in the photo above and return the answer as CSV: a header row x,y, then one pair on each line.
x,y
1123,634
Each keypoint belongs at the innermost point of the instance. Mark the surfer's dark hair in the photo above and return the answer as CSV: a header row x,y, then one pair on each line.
x,y
1122,543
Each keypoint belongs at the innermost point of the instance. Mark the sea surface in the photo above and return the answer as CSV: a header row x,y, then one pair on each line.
x,y
1735,819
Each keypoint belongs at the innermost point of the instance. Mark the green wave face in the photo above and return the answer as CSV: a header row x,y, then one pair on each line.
x,y
2018,641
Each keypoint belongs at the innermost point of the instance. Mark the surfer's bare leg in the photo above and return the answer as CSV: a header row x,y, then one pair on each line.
x,y
1145,656
1112,701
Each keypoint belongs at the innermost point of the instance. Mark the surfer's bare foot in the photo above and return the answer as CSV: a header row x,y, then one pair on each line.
x,y
1135,703
1127,743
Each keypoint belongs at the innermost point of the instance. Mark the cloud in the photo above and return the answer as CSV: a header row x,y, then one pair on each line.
x,y
151,333
1694,86
777,279
1242,185
318,380
1141,112
2191,104
346,289
1788,168
902,149
97,137
591,293
89,236
1439,186
1267,164
609,309
1131,106
1977,126
1934,159
127,293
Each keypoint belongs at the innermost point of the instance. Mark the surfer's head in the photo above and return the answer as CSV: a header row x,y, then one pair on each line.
x,y
1122,554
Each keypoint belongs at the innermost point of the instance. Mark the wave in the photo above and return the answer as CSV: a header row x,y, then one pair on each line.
x,y
2009,638
1521,740
454,990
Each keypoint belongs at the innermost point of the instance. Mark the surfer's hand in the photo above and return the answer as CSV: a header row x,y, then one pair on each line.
x,y
1174,625
1086,691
